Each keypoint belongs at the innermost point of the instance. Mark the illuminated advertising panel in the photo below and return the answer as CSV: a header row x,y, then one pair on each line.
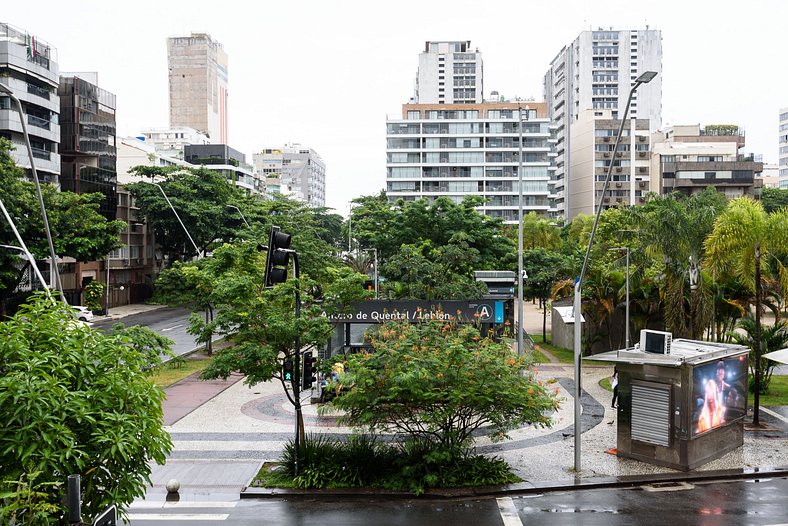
x,y
719,391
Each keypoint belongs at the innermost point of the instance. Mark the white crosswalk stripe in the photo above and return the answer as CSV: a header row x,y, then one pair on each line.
x,y
139,517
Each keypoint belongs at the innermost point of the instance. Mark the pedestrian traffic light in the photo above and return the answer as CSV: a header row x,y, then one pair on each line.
x,y
287,370
278,257
308,370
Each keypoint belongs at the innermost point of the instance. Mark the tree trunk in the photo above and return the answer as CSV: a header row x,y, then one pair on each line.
x,y
756,396
544,323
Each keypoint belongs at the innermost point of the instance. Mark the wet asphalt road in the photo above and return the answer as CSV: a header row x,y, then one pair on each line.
x,y
719,503
171,322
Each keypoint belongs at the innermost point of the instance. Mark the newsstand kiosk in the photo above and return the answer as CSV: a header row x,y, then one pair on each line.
x,y
682,403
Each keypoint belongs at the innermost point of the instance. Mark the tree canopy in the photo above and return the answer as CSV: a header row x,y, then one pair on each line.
x,y
78,229
75,401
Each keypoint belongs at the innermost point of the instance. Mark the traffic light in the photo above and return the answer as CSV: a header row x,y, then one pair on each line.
x,y
308,370
287,370
278,257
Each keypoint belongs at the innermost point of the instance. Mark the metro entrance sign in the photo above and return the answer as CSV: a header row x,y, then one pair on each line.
x,y
462,311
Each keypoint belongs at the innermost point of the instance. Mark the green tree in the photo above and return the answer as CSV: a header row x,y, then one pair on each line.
x,y
774,198
441,382
745,237
773,338
75,401
545,268
687,302
152,346
200,197
377,223
78,229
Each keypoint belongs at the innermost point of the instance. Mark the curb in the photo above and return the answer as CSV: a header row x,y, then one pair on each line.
x,y
522,488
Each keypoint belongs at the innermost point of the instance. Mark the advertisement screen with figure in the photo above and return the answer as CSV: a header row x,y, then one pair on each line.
x,y
719,390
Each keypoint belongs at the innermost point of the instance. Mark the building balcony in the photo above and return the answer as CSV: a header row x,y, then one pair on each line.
x,y
710,166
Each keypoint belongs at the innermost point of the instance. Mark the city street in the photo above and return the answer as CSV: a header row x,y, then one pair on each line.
x,y
171,322
752,502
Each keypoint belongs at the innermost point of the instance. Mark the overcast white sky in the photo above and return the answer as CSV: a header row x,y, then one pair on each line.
x,y
326,73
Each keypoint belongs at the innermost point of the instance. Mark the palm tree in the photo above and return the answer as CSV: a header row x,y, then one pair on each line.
x,y
773,338
744,237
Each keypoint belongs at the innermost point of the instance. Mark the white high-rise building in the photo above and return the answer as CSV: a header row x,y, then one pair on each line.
x,y
449,73
29,68
461,150
783,163
596,72
293,171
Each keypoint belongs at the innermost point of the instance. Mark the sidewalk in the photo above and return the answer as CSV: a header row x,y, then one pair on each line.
x,y
116,313
226,438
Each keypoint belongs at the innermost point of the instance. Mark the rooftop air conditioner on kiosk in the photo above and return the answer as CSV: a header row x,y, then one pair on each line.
x,y
657,342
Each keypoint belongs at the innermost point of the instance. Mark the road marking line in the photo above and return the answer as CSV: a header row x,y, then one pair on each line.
x,y
178,517
147,505
508,511
774,414
171,328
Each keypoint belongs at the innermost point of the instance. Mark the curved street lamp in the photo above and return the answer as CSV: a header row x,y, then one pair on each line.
x,y
7,91
645,78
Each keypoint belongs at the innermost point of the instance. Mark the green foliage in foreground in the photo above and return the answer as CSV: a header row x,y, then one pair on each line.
x,y
364,462
72,401
152,346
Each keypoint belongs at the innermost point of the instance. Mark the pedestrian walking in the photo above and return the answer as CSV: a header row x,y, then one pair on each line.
x,y
614,384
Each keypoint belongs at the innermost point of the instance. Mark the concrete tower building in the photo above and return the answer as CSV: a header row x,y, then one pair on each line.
x,y
198,85
596,72
449,73
28,67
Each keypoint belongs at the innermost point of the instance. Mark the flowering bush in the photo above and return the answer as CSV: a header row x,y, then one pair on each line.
x,y
441,381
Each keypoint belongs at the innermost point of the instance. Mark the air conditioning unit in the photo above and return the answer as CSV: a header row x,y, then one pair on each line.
x,y
642,154
606,139
643,170
606,199
618,170
618,185
607,154
642,184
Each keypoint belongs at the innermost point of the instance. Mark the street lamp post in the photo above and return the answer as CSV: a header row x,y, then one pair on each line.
x,y
521,119
577,314
375,253
157,185
626,341
5,89
240,213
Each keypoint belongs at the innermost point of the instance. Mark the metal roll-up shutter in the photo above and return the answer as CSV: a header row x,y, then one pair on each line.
x,y
651,413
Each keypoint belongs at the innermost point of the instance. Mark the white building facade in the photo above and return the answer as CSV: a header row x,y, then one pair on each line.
x,y
294,171
460,150
450,72
596,71
29,68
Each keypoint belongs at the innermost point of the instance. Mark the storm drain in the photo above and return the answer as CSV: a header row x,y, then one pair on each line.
x,y
667,486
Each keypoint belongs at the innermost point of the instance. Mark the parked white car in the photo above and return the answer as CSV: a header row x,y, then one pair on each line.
x,y
83,313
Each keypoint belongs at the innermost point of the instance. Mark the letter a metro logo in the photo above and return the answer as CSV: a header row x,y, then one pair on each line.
x,y
484,312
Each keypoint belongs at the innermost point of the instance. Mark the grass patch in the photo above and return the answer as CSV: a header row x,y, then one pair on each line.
x,y
562,354
777,394
172,372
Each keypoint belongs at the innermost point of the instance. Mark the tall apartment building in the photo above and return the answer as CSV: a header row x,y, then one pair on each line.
x,y
783,141
294,171
449,72
596,71
88,153
690,159
593,137
29,68
198,85
169,142
460,150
